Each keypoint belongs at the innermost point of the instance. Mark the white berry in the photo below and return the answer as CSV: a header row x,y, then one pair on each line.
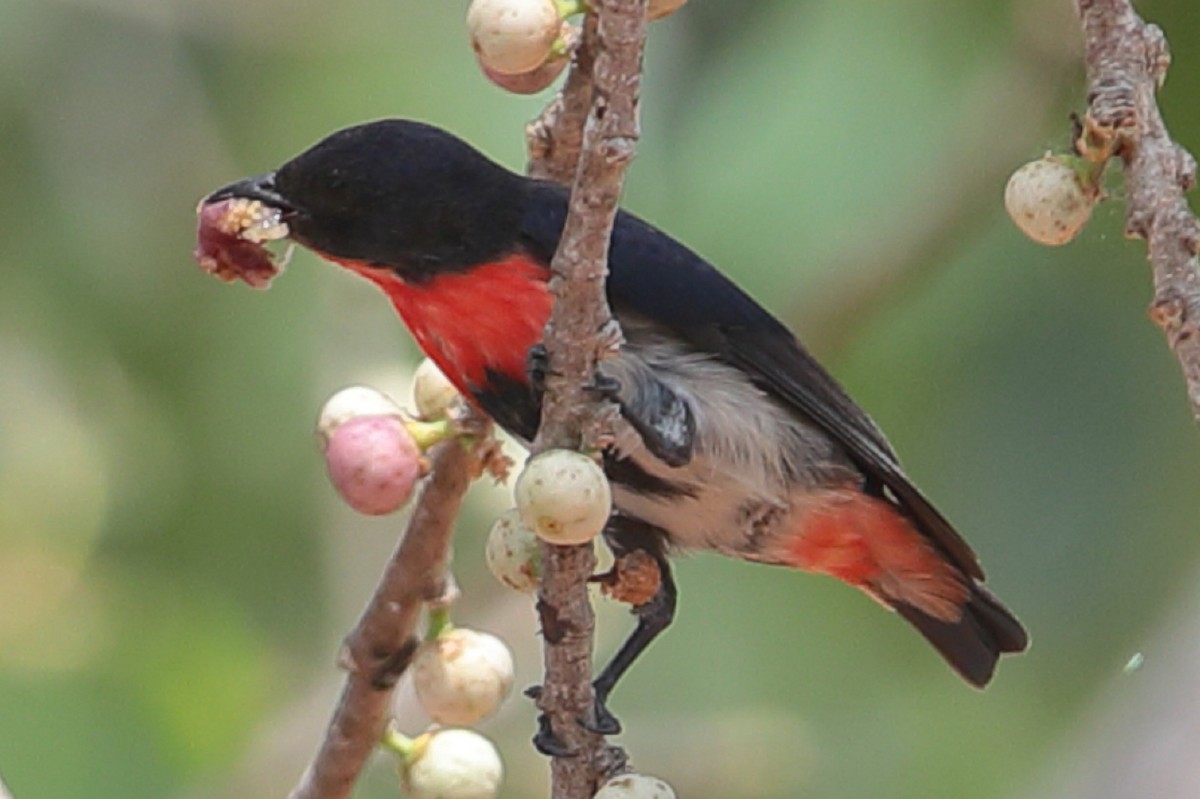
x,y
462,676
635,786
350,402
433,392
373,463
512,36
513,553
452,764
1047,201
563,496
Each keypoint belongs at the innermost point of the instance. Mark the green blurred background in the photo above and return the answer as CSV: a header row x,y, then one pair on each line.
x,y
175,573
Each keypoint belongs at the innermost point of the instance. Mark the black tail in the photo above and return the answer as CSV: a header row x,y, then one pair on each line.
x,y
974,643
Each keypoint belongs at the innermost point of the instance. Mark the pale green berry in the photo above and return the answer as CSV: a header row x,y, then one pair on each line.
x,y
563,496
1048,202
635,786
452,764
513,553
462,676
512,36
433,393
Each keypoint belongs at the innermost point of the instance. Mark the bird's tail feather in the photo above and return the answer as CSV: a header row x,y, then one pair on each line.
x,y
973,643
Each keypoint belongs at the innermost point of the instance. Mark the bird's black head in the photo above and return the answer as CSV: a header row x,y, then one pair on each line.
x,y
398,194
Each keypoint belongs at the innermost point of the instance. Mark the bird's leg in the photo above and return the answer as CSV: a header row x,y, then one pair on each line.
x,y
653,616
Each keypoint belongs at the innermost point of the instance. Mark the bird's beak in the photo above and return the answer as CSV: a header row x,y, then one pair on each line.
x,y
260,187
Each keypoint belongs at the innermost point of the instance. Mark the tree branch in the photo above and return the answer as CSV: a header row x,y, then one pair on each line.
x,y
1126,62
555,138
580,332
381,645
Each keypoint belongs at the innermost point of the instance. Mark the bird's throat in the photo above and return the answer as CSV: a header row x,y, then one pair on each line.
x,y
473,322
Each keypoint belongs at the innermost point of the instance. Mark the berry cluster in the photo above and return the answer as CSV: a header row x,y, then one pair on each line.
x,y
374,453
523,45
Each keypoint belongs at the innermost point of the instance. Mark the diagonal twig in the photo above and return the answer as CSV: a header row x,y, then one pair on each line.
x,y
555,138
381,645
1126,61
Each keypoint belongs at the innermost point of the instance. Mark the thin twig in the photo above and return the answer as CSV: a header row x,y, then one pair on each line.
x,y
580,332
555,138
381,645
1127,62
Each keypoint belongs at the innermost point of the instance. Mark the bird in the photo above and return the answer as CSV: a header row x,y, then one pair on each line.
x,y
732,438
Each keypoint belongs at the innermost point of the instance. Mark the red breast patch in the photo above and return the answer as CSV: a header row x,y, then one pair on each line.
x,y
486,317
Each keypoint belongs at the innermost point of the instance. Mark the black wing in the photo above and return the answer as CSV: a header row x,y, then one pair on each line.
x,y
656,276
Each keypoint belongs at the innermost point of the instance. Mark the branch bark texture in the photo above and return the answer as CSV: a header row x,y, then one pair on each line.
x,y
555,138
580,332
382,644
1127,61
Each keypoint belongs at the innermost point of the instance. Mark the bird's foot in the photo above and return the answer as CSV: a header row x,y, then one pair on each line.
x,y
537,367
602,721
546,742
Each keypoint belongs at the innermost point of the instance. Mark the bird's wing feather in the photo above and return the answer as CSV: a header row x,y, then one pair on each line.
x,y
787,371
657,277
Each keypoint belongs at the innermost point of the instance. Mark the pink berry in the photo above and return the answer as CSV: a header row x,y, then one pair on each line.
x,y
527,82
373,463
540,77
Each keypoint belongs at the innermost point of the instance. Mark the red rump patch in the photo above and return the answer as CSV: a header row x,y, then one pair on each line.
x,y
468,322
866,542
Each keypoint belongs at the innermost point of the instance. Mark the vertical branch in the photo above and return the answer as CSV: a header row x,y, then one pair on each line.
x,y
1126,63
580,332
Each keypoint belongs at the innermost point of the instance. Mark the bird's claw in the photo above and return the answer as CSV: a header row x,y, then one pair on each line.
x,y
602,720
549,744
605,386
537,366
